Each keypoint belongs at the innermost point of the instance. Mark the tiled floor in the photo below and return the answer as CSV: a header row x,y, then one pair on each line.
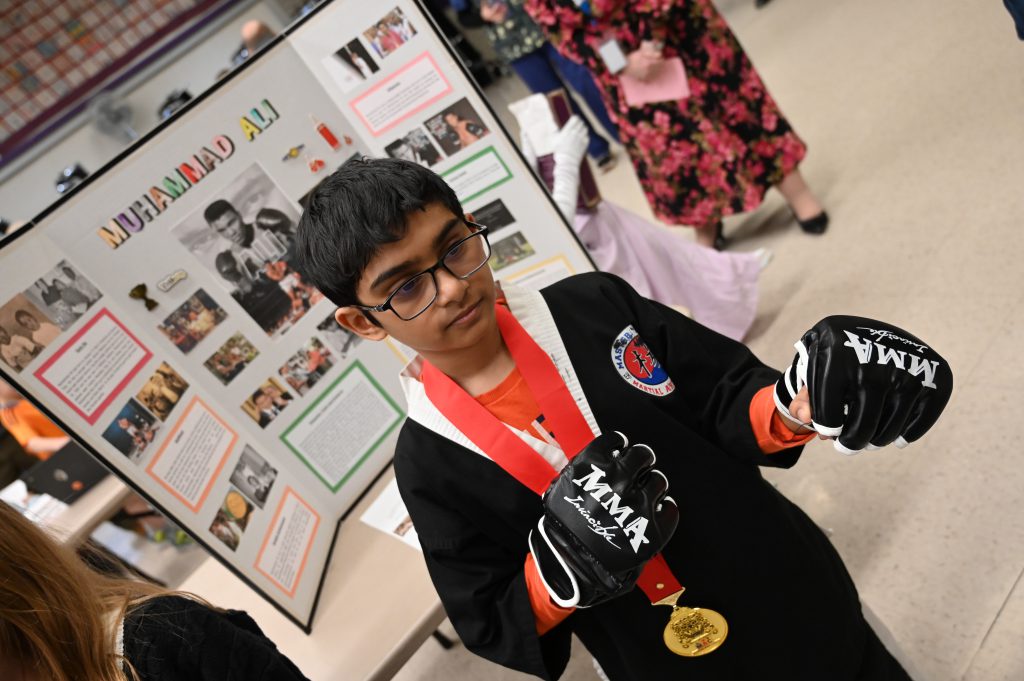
x,y
914,114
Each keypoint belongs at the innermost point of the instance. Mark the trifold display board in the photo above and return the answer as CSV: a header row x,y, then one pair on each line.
x,y
155,315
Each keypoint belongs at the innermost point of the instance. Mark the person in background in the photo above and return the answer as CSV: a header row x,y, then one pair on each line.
x,y
36,434
13,459
1016,9
63,621
718,289
521,44
711,154
255,34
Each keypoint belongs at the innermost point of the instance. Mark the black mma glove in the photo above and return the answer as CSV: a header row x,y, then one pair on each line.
x,y
605,516
870,383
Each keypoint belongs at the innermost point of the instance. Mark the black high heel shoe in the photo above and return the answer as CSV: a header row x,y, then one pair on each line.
x,y
816,225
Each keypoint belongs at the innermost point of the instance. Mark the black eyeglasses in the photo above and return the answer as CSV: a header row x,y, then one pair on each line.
x,y
417,293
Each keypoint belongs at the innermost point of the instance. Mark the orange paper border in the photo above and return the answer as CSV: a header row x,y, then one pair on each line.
x,y
270,531
170,438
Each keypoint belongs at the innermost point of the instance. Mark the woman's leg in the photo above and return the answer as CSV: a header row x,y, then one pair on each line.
x,y
581,80
805,206
798,195
710,235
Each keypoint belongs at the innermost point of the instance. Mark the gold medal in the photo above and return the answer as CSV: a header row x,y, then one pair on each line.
x,y
692,632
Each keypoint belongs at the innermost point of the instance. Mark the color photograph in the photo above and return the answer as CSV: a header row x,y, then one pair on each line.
x,y
456,127
231,358
132,431
391,32
232,518
510,250
162,391
267,402
306,367
193,321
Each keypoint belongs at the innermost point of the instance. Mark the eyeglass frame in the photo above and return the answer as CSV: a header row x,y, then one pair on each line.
x,y
386,305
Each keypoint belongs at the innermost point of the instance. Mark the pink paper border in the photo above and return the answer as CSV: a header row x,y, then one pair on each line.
x,y
93,417
398,121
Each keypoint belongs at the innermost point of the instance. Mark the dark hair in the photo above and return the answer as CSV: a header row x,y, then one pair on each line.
x,y
21,314
258,394
218,208
356,210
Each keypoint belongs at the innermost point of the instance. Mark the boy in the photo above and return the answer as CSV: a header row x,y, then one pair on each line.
x,y
387,241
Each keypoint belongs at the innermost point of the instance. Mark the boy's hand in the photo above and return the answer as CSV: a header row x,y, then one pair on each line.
x,y
867,383
605,516
800,409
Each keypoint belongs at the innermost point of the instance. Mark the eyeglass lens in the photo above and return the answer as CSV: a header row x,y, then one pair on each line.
x,y
416,295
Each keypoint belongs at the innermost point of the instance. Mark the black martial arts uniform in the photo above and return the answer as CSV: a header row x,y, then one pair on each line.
x,y
741,547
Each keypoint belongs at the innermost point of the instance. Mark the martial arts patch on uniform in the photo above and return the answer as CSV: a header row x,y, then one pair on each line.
x,y
637,365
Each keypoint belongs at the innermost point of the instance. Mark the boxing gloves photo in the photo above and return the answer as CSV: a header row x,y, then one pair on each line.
x,y
605,516
869,383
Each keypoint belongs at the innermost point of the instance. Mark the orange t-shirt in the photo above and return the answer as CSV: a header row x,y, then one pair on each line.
x,y
512,402
24,422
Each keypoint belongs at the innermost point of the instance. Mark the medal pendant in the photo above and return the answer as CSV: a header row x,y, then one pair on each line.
x,y
692,632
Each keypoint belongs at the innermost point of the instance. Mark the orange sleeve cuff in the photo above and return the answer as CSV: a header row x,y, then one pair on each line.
x,y
771,430
545,612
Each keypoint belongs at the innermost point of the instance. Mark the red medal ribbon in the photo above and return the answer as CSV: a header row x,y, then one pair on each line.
x,y
506,449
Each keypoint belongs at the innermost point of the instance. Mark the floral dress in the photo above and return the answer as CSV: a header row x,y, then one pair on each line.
x,y
698,159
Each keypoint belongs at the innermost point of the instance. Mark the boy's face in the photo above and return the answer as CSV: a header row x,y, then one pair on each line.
x,y
463,312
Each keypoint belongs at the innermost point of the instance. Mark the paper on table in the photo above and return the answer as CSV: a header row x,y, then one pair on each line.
x,y
387,513
36,507
666,84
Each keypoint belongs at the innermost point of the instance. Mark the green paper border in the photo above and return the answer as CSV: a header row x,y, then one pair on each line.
x,y
355,467
490,149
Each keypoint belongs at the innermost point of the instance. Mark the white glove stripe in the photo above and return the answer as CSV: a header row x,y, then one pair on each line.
x,y
801,366
844,450
789,382
827,431
574,600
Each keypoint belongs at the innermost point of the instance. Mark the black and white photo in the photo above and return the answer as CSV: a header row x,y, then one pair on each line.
x,y
253,476
63,294
245,237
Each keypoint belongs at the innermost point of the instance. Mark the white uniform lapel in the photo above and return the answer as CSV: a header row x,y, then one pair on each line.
x,y
533,313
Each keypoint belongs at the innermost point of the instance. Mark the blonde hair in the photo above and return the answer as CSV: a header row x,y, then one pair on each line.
x,y
56,612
